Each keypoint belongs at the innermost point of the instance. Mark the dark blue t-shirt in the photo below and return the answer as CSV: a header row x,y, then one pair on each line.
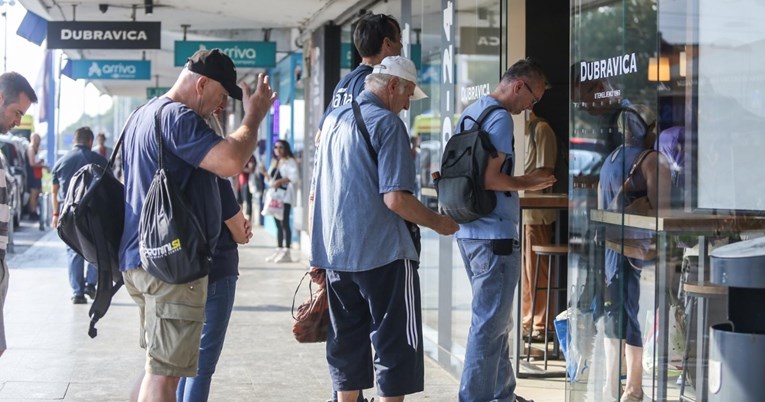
x,y
70,163
347,89
186,138
226,256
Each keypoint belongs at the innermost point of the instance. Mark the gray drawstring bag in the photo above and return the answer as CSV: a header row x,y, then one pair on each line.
x,y
172,244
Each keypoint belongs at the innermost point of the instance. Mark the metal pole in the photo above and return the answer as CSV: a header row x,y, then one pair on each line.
x,y
5,36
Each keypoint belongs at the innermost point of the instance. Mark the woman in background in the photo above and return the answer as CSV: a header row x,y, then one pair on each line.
x,y
283,174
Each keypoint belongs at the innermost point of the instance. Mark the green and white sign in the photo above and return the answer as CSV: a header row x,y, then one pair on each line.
x,y
153,92
243,54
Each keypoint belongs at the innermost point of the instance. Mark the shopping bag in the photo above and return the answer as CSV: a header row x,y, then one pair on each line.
x,y
273,204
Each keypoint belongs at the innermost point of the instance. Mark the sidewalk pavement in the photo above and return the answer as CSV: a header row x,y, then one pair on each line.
x,y
51,358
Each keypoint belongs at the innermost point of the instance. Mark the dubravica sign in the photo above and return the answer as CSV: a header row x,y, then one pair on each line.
x,y
103,35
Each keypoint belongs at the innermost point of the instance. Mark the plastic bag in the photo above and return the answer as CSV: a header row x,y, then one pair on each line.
x,y
273,205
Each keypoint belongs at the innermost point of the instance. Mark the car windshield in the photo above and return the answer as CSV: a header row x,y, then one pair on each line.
x,y
585,162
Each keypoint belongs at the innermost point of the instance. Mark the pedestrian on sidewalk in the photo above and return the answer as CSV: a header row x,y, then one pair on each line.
x,y
284,174
376,37
83,281
35,166
195,155
16,96
363,200
221,290
489,245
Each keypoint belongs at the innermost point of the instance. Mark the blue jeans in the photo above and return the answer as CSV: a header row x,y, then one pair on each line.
x,y
487,374
77,275
220,302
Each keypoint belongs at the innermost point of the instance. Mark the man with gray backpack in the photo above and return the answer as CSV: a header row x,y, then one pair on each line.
x,y
489,243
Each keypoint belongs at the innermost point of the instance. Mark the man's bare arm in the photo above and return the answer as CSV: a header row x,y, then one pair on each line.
x,y
409,208
229,156
495,180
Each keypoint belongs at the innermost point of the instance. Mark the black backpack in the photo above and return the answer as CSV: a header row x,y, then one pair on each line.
x,y
460,186
91,224
561,158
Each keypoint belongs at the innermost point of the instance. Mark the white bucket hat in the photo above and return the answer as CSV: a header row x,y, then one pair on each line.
x,y
403,68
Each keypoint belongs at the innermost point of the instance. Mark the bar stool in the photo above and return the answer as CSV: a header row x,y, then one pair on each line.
x,y
695,290
550,251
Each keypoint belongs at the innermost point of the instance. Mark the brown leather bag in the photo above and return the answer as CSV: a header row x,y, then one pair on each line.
x,y
312,318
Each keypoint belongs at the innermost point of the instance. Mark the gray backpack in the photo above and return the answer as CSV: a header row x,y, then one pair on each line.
x,y
460,183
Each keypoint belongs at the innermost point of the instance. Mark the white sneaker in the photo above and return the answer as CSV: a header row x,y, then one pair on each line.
x,y
277,253
284,257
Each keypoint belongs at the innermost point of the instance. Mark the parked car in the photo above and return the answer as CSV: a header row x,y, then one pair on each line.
x,y
14,150
14,196
586,156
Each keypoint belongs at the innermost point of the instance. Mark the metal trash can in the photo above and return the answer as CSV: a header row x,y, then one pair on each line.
x,y
737,348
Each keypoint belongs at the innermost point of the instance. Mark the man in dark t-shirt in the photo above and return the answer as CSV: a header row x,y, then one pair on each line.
x,y
376,37
193,155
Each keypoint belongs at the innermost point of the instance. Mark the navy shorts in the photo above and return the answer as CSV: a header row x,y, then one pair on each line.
x,y
623,303
379,308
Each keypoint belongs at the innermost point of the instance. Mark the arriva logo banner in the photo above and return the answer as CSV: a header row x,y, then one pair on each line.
x,y
103,35
111,69
243,54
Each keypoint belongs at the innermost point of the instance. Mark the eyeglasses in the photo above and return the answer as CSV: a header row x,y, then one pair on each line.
x,y
534,99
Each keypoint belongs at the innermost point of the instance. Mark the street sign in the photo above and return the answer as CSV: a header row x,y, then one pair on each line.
x,y
104,35
111,69
153,92
243,54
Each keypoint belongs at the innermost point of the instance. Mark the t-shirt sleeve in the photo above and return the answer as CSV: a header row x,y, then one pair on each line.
x,y
395,163
229,206
546,146
188,136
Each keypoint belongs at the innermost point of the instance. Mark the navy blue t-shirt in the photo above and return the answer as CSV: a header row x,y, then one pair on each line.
x,y
226,256
187,139
70,163
347,89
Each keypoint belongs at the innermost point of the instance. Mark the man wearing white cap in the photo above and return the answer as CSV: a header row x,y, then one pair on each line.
x,y
360,235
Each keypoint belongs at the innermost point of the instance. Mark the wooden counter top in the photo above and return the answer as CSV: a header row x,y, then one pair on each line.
x,y
680,222
544,201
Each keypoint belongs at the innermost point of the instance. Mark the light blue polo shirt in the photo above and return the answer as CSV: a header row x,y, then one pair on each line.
x,y
502,223
353,229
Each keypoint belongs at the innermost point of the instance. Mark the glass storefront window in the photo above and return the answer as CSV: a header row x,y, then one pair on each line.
x,y
683,80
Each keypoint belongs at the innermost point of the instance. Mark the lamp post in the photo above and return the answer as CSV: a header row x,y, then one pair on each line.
x,y
5,4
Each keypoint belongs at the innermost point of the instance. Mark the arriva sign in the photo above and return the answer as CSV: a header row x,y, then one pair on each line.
x,y
243,54
111,69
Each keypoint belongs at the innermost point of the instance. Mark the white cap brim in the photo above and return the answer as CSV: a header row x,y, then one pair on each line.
x,y
418,94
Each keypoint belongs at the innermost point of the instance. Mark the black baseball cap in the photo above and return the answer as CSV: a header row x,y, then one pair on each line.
x,y
217,66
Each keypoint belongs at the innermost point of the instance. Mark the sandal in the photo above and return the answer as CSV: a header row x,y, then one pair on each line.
x,y
627,397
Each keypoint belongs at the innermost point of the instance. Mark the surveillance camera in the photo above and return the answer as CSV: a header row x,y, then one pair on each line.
x,y
103,7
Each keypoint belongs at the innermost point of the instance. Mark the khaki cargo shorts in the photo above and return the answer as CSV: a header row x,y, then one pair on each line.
x,y
171,322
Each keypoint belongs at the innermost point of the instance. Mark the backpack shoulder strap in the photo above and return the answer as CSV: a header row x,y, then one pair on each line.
x,y
486,112
363,128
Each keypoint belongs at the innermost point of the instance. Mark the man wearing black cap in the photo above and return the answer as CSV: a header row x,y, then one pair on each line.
x,y
172,315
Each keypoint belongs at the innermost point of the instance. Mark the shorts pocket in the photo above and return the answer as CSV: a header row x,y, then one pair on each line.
x,y
174,341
